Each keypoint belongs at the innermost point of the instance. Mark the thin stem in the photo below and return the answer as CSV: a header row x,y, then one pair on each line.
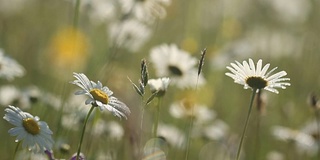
x,y
141,128
156,120
188,136
317,114
257,146
246,124
83,129
15,151
76,14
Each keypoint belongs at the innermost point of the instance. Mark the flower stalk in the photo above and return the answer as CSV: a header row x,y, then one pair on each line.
x,y
83,130
246,123
156,119
16,150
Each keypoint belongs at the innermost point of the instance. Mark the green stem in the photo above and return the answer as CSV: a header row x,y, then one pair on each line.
x,y
16,150
318,130
246,124
76,14
188,135
156,120
257,146
83,129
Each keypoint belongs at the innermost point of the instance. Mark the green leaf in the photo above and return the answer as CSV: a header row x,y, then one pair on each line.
x,y
136,88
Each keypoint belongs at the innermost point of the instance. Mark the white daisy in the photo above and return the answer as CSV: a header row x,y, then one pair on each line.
x,y
145,10
159,85
173,135
186,108
9,67
256,77
35,134
9,94
311,129
130,34
100,10
100,96
303,142
170,61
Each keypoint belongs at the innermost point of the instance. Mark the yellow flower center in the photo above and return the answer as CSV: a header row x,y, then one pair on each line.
x,y
31,126
256,82
100,95
188,105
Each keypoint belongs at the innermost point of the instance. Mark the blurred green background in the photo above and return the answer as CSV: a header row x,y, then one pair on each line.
x,y
39,35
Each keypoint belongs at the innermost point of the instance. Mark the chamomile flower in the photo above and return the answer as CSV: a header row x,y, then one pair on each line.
x,y
129,34
178,64
304,143
34,134
145,10
9,67
100,96
159,85
187,108
257,77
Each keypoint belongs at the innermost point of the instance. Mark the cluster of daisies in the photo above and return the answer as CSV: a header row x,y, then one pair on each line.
x,y
175,66
129,22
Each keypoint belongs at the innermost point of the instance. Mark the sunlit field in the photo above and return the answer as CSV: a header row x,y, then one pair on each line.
x,y
160,79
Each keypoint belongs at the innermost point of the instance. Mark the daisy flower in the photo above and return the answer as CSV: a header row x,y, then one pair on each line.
x,y
9,67
129,34
159,85
173,135
187,108
170,61
100,96
303,142
35,134
257,77
145,10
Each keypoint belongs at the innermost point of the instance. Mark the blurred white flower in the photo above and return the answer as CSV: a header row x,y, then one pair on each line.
x,y
311,129
217,130
8,8
145,10
9,94
130,34
26,97
303,142
174,136
259,42
72,121
25,155
112,129
275,155
9,67
176,64
290,11
186,108
100,10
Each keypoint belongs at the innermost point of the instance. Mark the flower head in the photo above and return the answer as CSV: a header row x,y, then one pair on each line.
x,y
35,134
129,34
9,68
188,108
257,77
171,61
145,10
159,85
100,96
